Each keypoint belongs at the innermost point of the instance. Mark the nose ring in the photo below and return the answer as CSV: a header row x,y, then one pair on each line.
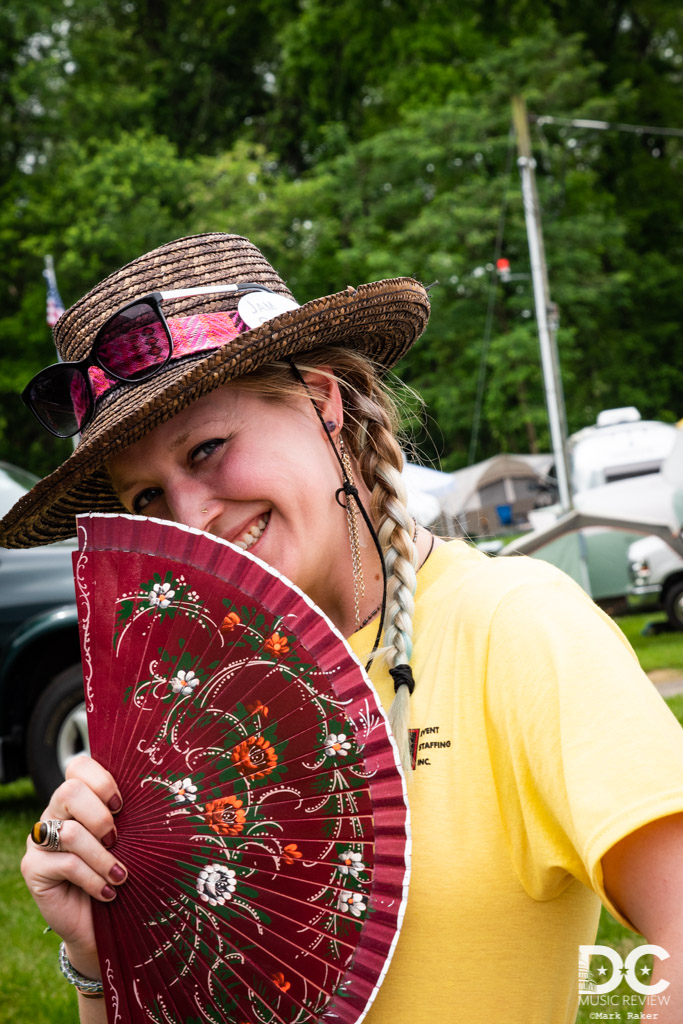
x,y
203,510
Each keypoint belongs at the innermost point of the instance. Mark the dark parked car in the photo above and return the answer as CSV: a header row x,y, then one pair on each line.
x,y
42,714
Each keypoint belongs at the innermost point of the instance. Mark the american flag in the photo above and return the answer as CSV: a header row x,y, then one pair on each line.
x,y
55,306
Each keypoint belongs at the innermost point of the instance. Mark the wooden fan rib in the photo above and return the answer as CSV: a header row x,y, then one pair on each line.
x,y
159,871
226,779
308,846
383,923
385,944
121,981
165,979
268,873
276,903
173,996
279,954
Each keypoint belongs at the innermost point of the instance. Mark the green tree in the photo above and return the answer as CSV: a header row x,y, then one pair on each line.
x,y
354,141
422,197
99,205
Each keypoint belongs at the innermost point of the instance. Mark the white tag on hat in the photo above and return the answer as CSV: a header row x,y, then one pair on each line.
x,y
256,308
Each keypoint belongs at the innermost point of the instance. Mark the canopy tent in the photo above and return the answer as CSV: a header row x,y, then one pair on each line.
x,y
497,492
426,479
423,486
592,548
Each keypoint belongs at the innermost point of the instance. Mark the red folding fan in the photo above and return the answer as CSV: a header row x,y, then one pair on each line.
x,y
264,823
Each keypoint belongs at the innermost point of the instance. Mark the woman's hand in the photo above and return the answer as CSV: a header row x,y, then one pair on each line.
x,y
62,882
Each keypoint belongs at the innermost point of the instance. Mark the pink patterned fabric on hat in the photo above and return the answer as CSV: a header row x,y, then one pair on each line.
x,y
190,334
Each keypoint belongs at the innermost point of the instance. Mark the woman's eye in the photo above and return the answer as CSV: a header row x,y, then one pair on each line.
x,y
143,499
205,449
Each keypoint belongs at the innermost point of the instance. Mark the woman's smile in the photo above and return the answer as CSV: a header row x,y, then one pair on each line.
x,y
249,537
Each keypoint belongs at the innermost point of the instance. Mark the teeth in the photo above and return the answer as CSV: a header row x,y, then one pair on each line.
x,y
253,534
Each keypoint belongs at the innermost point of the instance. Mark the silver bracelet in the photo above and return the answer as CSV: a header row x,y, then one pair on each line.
x,y
88,986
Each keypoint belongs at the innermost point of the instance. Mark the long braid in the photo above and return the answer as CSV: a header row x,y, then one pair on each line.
x,y
380,462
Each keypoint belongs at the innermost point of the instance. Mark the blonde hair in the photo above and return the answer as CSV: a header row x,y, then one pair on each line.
x,y
371,421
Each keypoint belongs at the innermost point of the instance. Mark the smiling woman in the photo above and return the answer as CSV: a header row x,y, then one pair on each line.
x,y
205,395
227,465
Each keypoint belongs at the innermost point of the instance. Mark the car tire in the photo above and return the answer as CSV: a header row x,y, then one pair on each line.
x,y
673,603
57,731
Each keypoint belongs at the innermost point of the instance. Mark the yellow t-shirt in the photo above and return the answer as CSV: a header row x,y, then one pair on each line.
x,y
540,744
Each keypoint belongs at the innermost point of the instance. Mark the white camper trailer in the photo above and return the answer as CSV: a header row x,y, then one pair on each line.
x,y
618,446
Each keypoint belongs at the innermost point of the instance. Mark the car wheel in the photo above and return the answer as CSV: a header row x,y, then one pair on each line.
x,y
673,602
57,731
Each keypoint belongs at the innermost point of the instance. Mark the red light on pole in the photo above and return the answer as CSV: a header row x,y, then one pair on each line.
x,y
503,268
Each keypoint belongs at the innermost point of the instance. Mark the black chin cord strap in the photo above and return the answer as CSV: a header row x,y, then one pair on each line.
x,y
349,490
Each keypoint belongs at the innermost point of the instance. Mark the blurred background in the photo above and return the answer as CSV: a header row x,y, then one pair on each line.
x,y
359,140
354,140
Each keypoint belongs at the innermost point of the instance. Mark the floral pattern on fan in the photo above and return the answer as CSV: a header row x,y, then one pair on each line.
x,y
247,769
167,596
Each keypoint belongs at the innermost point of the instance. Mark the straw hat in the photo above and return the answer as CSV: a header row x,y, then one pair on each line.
x,y
382,320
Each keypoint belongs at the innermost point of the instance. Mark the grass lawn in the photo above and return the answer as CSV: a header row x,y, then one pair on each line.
x,y
662,650
31,988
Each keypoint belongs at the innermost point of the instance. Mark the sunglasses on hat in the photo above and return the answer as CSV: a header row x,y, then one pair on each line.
x,y
133,345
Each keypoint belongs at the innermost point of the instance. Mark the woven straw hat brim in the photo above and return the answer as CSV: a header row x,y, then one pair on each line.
x,y
381,320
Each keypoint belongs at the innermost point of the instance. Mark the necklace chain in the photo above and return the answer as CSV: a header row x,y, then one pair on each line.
x,y
352,513
370,617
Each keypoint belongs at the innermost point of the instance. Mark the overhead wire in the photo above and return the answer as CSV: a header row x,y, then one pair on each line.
x,y
582,122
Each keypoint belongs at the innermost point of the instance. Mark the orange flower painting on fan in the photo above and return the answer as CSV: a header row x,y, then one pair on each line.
x,y
231,620
279,980
254,757
225,816
257,708
277,644
291,853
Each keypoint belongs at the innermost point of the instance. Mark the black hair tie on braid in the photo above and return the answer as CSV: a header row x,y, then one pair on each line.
x,y
402,676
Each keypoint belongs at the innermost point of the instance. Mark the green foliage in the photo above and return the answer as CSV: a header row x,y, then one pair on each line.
x,y
30,984
355,141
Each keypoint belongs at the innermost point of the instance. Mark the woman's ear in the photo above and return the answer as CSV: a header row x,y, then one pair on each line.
x,y
327,396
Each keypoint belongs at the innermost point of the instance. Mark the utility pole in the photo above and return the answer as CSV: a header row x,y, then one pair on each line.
x,y
546,312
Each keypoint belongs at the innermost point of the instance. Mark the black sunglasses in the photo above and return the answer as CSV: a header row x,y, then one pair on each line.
x,y
133,345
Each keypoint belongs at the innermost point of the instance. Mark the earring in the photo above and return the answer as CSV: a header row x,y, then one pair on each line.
x,y
354,537
330,426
